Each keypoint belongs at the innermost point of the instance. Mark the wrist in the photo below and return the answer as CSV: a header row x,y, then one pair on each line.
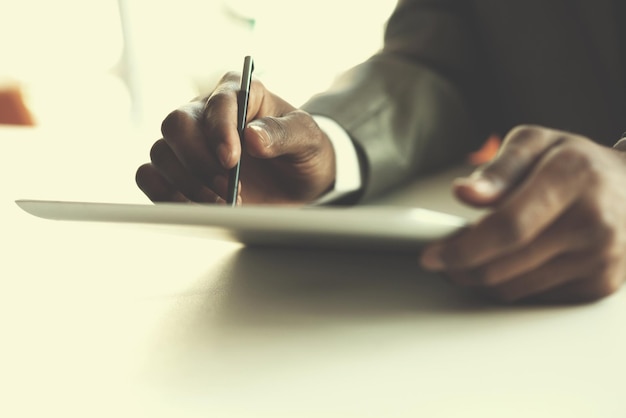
x,y
347,168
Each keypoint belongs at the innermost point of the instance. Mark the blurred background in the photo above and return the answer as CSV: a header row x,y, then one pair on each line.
x,y
108,62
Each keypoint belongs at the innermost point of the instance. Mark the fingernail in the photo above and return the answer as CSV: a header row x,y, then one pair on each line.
x,y
484,186
262,134
431,258
224,155
480,184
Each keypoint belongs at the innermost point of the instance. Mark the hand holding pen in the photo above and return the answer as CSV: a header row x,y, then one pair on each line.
x,y
268,152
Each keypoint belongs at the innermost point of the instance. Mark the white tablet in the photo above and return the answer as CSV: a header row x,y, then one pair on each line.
x,y
360,227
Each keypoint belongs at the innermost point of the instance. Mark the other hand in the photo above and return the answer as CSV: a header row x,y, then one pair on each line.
x,y
557,228
286,158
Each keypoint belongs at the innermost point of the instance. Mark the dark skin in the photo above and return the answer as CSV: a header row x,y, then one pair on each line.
x,y
287,158
555,230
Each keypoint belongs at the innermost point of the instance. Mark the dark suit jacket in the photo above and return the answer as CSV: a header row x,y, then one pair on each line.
x,y
453,71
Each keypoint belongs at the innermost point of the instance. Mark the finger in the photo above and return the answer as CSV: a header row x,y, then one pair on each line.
x,y
521,149
294,135
551,188
219,121
156,187
221,186
566,268
579,291
604,279
182,132
564,236
166,162
220,115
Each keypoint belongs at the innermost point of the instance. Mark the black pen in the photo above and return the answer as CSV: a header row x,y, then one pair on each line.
x,y
242,113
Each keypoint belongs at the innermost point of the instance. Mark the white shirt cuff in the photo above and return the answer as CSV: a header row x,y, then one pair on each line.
x,y
347,168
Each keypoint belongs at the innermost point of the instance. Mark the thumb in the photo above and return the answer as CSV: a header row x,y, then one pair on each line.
x,y
522,148
478,189
295,134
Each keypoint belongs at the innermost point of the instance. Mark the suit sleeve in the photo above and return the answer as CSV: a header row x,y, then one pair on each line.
x,y
415,106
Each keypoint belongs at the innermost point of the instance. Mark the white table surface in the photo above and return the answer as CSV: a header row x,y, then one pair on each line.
x,y
113,320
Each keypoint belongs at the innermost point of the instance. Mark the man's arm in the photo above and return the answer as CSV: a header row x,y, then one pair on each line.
x,y
407,110
412,107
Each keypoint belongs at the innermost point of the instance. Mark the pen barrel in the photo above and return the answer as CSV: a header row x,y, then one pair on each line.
x,y
242,112
233,174
233,180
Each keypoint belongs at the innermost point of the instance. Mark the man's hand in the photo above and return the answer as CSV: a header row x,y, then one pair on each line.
x,y
557,229
286,158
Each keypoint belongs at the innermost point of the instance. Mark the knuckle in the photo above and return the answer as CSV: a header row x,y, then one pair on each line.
x,y
455,255
256,84
142,174
277,130
573,157
485,276
218,100
490,276
576,158
159,151
512,231
229,84
607,234
175,123
601,268
525,130
609,258
312,129
521,134
230,77
305,119
603,233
